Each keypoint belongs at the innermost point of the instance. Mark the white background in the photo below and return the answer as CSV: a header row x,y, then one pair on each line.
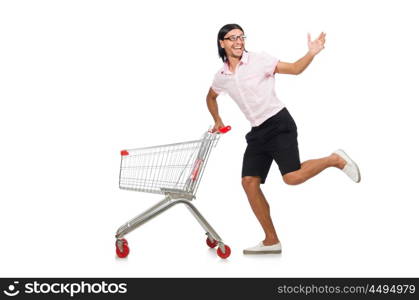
x,y
81,80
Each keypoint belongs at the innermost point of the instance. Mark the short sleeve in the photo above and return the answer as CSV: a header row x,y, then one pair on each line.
x,y
216,84
268,63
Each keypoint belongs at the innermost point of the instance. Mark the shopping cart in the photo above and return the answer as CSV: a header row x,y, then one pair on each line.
x,y
175,171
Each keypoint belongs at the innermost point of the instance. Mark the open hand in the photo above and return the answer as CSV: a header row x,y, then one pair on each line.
x,y
317,45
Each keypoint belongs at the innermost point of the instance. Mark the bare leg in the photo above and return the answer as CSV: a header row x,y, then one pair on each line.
x,y
257,200
260,208
311,168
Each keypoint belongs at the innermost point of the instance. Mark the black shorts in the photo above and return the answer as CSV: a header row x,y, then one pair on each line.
x,y
275,139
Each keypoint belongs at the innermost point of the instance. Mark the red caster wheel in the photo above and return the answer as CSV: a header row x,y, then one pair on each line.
x,y
226,254
124,241
124,253
125,249
211,244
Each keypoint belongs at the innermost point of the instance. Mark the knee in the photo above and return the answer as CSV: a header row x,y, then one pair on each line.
x,y
250,182
292,179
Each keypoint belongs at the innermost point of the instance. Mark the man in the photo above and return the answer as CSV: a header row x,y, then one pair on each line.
x,y
248,78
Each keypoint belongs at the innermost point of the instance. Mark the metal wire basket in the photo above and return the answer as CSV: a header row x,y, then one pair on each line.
x,y
174,170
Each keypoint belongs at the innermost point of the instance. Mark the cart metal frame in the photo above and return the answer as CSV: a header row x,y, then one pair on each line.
x,y
174,170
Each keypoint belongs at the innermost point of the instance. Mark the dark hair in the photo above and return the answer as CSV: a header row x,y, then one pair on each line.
x,y
221,34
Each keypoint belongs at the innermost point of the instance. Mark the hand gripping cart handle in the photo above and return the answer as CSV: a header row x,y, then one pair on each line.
x,y
175,171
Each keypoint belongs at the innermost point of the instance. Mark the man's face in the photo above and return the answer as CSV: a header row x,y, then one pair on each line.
x,y
236,47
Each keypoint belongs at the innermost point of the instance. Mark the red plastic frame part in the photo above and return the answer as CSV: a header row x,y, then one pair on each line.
x,y
225,129
124,152
221,130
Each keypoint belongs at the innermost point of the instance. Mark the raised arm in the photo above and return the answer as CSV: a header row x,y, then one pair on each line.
x,y
213,109
314,47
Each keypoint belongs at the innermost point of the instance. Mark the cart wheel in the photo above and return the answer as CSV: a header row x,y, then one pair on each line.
x,y
211,244
125,249
226,254
124,241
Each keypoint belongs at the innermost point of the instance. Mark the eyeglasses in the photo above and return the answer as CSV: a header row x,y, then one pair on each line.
x,y
234,38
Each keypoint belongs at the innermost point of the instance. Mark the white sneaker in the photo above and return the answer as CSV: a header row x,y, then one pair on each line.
x,y
350,169
262,249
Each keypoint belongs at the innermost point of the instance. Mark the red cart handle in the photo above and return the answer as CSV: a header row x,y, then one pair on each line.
x,y
224,129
